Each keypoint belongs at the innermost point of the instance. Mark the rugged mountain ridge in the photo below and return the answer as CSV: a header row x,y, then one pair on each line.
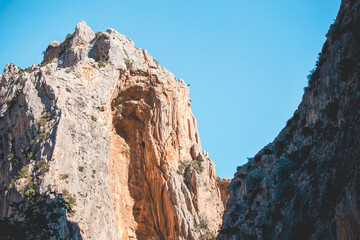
x,y
106,133
305,184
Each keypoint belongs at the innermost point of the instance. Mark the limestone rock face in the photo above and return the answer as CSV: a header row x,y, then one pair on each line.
x,y
305,184
109,130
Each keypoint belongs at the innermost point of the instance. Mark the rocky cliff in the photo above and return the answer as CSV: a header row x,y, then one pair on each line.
x,y
106,135
306,183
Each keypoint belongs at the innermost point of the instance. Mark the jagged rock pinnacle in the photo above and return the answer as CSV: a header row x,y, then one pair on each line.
x,y
108,129
83,33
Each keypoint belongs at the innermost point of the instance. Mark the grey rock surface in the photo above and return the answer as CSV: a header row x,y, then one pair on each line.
x,y
305,184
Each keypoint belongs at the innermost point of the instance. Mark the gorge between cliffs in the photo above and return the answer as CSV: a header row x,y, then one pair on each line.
x,y
99,142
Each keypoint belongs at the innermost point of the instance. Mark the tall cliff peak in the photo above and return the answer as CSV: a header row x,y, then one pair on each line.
x,y
305,184
105,135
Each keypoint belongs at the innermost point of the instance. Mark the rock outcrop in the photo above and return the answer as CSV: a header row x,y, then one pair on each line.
x,y
110,133
306,184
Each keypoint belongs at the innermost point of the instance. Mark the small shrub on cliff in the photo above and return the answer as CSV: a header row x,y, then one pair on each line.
x,y
101,64
67,71
22,81
46,114
41,122
5,101
98,34
45,63
70,200
199,169
203,224
208,236
30,189
68,36
42,166
42,136
29,70
64,176
93,118
30,154
81,169
128,63
68,90
312,71
182,166
23,172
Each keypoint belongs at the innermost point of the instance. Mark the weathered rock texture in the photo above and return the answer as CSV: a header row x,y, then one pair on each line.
x,y
306,184
101,123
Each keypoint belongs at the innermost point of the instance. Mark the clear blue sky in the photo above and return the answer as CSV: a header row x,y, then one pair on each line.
x,y
246,61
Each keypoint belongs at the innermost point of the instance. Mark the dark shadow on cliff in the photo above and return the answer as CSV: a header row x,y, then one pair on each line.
x,y
28,145
27,140
40,216
305,184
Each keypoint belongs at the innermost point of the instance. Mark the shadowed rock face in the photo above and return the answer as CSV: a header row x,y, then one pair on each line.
x,y
103,124
306,184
